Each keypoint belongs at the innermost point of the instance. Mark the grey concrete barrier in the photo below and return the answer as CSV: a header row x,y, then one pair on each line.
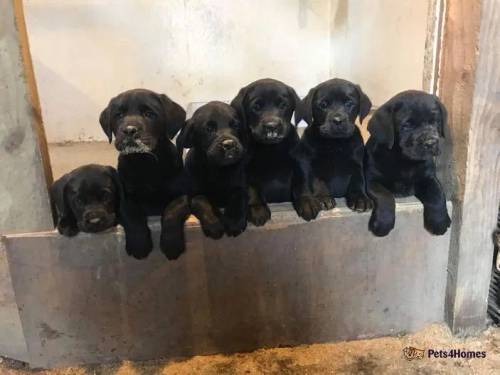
x,y
83,300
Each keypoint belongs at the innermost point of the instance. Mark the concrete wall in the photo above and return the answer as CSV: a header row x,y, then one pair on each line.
x,y
24,165
289,283
86,51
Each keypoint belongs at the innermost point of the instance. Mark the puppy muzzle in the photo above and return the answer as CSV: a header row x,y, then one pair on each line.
x,y
337,130
431,145
131,138
271,130
96,221
421,147
225,150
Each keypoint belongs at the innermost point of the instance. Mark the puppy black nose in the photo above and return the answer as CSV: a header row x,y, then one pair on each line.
x,y
130,130
271,124
228,144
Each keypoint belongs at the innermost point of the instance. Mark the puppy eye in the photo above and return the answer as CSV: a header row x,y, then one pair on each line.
x,y
105,196
78,201
149,114
119,114
349,104
211,126
234,124
282,105
323,104
256,107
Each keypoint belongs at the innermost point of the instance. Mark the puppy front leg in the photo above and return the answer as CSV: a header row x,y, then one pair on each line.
x,y
356,197
236,212
208,215
384,211
67,226
305,197
172,242
436,218
258,211
138,241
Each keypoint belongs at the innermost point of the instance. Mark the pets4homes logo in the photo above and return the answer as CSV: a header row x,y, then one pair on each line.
x,y
411,353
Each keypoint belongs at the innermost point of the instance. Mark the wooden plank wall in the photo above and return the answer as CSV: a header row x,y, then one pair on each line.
x,y
470,86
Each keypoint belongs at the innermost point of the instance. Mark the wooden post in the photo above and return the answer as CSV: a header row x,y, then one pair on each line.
x,y
24,164
469,86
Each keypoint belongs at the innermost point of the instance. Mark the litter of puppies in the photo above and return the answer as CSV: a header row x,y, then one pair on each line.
x,y
248,154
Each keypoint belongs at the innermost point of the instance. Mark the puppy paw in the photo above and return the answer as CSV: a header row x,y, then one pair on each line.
x,y
358,202
67,230
259,215
437,225
139,247
234,227
308,208
380,228
172,245
213,229
327,202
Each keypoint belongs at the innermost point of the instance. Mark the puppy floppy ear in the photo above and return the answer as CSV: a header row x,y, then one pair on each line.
x,y
185,138
444,116
297,103
238,104
304,110
365,104
175,115
381,127
105,121
64,218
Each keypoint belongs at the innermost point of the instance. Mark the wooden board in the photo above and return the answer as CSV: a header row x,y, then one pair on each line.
x,y
470,83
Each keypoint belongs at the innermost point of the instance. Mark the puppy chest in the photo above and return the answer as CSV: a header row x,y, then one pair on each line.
x,y
327,168
274,168
220,185
403,182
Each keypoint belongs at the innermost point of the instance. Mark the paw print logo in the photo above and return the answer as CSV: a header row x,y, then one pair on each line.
x,y
411,353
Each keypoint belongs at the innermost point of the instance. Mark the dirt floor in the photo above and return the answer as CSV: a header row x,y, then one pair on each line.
x,y
375,356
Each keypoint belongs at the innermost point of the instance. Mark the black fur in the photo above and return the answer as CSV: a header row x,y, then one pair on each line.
x,y
331,151
215,169
86,199
404,139
149,165
266,107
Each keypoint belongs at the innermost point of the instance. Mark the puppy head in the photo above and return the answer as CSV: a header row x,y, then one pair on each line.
x,y
266,107
140,119
216,130
332,108
86,199
414,120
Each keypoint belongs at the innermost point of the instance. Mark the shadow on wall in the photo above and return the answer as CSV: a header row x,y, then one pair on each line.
x,y
68,113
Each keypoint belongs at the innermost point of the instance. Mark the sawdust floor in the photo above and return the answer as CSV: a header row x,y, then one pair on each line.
x,y
375,356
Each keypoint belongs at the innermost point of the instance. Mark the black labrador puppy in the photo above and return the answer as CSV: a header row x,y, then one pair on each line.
x,y
331,150
86,199
215,167
149,166
266,107
404,139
